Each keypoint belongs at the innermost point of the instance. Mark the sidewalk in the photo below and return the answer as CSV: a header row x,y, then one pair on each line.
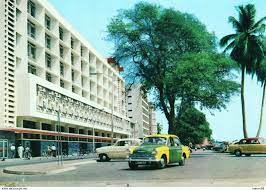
x,y
46,168
70,157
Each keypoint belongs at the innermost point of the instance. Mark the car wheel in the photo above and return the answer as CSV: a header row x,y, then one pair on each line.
x,y
162,162
132,165
104,158
238,153
182,161
247,154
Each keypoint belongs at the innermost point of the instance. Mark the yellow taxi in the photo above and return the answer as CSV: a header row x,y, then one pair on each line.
x,y
248,146
159,150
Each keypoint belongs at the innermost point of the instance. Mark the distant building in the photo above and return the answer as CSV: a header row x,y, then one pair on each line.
x,y
153,121
140,112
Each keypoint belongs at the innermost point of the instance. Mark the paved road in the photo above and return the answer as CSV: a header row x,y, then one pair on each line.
x,y
202,169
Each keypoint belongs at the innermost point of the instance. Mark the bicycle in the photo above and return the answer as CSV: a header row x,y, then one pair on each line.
x,y
27,155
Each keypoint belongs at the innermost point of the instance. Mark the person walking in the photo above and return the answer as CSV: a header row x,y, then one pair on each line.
x,y
49,151
53,150
13,150
27,152
20,151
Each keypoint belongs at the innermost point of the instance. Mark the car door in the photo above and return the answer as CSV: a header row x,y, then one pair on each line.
x,y
174,150
253,146
121,150
115,150
243,145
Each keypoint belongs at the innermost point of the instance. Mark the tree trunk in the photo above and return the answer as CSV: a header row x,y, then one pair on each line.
x,y
243,102
171,125
261,110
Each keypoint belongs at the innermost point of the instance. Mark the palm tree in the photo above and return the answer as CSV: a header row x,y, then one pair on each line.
x,y
246,46
261,76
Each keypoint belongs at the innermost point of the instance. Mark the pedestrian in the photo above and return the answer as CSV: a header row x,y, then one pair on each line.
x,y
49,151
20,151
27,152
13,150
53,150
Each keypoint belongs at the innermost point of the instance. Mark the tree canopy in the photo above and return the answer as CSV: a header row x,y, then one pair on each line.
x,y
193,126
163,49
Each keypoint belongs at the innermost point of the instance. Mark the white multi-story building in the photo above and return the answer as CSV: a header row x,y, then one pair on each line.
x,y
50,73
153,120
140,112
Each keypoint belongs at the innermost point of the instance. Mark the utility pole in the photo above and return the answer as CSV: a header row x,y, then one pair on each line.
x,y
59,141
112,113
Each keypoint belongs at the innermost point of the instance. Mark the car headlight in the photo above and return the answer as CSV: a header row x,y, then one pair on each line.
x,y
154,152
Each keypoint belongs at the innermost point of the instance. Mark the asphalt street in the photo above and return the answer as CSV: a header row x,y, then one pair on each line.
x,y
202,169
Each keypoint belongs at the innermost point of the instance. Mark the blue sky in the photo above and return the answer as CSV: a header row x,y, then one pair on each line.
x,y
91,17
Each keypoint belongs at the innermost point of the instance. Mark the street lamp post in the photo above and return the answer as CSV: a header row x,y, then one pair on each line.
x,y
59,140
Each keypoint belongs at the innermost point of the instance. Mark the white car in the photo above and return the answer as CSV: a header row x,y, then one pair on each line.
x,y
120,150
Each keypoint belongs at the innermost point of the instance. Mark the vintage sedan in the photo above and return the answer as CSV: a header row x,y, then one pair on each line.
x,y
248,146
159,150
120,150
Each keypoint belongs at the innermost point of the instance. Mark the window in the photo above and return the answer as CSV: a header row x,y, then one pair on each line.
x,y
47,22
177,141
49,77
81,51
61,33
31,8
62,84
73,89
31,29
72,75
61,51
48,60
72,43
32,69
31,50
72,59
81,65
48,41
62,69
82,81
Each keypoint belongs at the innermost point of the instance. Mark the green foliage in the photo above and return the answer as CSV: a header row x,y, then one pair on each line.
x,y
164,49
246,44
159,128
204,79
261,69
193,126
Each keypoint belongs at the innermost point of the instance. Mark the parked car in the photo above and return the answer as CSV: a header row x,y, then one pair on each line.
x,y
220,147
248,146
120,150
159,150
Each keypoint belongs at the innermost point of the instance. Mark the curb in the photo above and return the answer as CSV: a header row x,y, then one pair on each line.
x,y
68,167
23,172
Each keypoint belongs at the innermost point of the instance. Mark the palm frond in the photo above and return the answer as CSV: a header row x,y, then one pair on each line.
x,y
257,24
247,16
230,46
251,13
236,24
259,30
226,39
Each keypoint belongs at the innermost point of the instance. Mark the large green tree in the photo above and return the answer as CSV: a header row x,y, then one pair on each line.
x,y
245,46
193,126
152,42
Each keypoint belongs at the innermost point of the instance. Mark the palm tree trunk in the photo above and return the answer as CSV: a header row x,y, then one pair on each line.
x,y
243,102
261,110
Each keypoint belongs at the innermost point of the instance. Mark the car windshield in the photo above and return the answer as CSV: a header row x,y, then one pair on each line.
x,y
154,140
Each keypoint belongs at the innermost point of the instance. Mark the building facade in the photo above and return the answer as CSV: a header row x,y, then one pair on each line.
x,y
54,84
141,113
